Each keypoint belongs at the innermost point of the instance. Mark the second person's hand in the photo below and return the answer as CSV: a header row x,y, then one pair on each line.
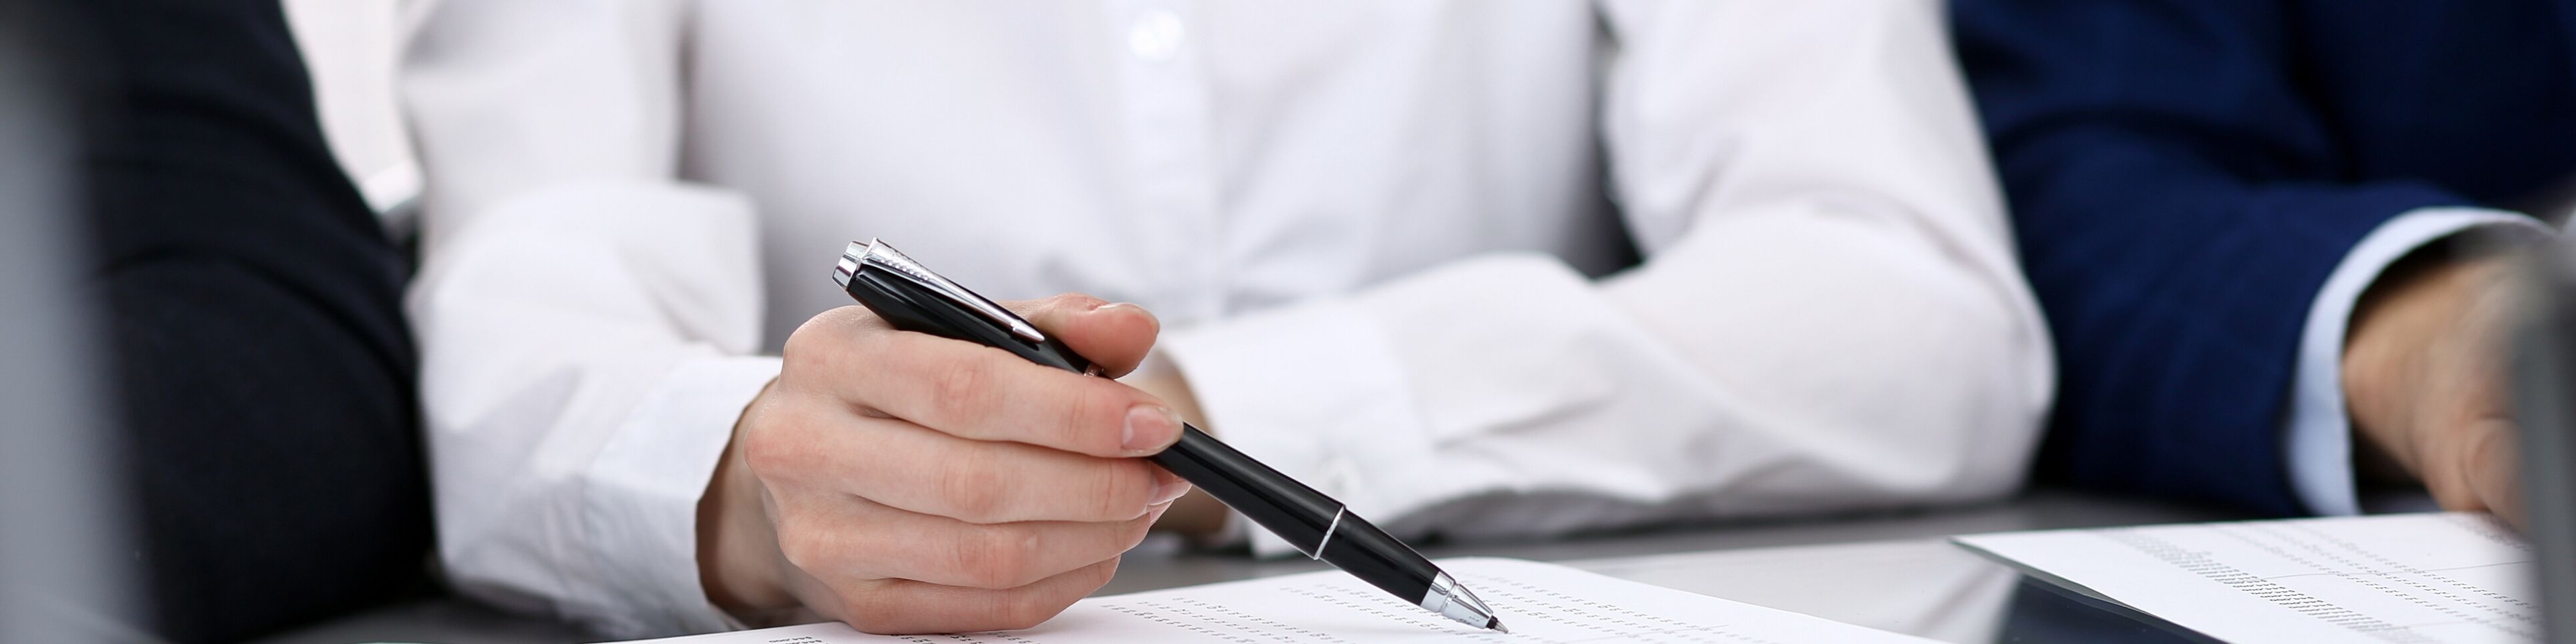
x,y
906,483
2424,379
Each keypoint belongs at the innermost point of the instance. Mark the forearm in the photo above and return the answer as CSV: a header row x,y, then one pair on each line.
x,y
1536,394
1798,192
576,414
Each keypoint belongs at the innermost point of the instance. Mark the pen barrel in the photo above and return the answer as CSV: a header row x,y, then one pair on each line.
x,y
1361,549
907,307
1303,517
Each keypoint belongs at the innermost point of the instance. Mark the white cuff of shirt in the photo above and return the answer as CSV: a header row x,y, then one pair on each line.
x,y
641,505
2319,441
1297,389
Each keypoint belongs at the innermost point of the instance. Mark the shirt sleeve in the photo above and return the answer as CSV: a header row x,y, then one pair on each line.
x,y
2319,439
1828,316
587,323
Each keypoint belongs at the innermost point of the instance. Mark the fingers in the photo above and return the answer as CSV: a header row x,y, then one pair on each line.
x,y
2472,467
840,539
983,393
918,469
2494,470
1114,336
901,606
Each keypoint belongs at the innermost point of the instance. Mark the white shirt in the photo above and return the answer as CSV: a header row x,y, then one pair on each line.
x,y
1382,236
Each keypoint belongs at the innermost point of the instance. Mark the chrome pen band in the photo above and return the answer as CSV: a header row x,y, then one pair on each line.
x,y
1329,528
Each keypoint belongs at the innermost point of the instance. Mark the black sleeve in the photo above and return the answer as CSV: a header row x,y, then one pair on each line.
x,y
264,370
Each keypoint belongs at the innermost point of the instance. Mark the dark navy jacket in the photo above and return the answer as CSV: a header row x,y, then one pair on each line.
x,y
255,317
2184,174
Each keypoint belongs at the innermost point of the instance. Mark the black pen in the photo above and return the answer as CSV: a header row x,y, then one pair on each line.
x,y
912,298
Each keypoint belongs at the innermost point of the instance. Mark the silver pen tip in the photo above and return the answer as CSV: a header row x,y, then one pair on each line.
x,y
1452,600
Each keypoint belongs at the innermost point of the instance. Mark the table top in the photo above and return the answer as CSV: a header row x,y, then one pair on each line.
x,y
1890,571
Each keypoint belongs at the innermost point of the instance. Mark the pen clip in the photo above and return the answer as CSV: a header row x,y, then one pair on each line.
x,y
883,257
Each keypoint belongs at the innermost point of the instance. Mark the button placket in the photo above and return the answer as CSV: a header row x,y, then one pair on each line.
x,y
1168,139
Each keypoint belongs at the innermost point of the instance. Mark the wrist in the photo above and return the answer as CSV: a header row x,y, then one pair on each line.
x,y
738,564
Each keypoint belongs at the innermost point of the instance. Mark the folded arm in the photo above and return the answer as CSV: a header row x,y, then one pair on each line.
x,y
1827,318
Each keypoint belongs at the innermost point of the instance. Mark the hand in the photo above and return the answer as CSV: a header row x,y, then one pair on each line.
x,y
2424,378
906,483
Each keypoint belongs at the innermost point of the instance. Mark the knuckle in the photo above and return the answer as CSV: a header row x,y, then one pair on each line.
x,y
961,388
767,454
803,349
1093,418
815,330
1122,489
997,557
973,487
1027,610
820,336
803,546
870,612
772,445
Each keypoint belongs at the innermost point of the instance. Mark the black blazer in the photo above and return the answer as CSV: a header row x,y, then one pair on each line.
x,y
254,312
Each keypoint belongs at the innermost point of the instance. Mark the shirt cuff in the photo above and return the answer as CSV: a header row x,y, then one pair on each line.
x,y
641,504
2319,440
1296,388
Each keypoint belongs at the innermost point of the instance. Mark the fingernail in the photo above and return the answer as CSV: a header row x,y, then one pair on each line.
x,y
1156,514
1166,491
1149,428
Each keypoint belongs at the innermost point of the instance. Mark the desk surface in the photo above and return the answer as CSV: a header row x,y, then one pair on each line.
x,y
1884,571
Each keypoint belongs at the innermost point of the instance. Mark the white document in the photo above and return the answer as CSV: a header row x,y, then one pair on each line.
x,y
2432,577
1539,602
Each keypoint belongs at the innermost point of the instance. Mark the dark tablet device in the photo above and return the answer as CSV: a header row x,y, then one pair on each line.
x,y
2544,391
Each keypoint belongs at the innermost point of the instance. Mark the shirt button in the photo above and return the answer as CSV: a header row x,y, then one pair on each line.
x,y
1156,35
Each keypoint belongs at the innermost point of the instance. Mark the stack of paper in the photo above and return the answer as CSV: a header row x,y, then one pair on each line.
x,y
1540,602
2398,578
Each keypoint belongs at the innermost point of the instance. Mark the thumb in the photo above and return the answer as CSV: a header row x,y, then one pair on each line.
x,y
1114,336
